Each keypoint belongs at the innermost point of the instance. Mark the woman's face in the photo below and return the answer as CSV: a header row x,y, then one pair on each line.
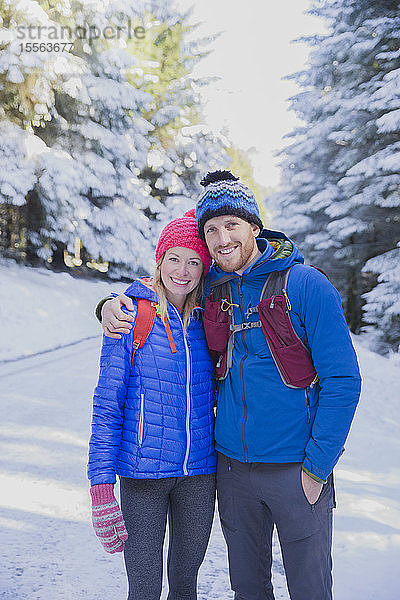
x,y
181,271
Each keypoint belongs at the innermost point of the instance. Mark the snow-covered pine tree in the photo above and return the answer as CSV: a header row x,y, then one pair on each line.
x,y
17,177
76,115
27,80
382,308
104,184
341,174
89,183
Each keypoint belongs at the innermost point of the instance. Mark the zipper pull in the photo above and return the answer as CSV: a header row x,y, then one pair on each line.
x,y
272,302
226,305
289,306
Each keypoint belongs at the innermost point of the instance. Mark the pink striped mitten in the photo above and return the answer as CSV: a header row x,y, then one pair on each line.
x,y
107,519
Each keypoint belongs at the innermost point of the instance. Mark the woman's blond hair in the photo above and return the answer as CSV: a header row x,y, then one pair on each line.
x,y
192,299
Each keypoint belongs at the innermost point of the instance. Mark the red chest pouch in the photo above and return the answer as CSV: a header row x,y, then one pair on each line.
x,y
292,358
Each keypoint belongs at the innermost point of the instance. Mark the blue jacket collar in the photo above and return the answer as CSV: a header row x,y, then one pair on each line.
x,y
140,288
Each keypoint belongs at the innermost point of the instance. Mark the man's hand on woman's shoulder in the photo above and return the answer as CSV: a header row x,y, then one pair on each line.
x,y
114,320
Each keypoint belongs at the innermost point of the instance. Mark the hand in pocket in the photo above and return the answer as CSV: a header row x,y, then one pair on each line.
x,y
312,489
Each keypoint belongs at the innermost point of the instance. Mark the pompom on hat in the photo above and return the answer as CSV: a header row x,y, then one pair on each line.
x,y
224,194
183,232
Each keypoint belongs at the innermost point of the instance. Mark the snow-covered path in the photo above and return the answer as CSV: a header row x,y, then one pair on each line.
x,y
48,550
367,520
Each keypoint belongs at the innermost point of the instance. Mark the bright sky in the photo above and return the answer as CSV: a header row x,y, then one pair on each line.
x,y
251,57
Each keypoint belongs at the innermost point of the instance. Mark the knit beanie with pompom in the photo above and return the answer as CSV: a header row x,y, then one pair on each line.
x,y
224,194
183,232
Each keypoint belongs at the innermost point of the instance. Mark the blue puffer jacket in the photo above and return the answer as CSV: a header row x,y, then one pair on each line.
x,y
259,419
154,420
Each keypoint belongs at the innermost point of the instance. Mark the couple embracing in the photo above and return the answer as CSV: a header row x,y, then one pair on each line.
x,y
264,338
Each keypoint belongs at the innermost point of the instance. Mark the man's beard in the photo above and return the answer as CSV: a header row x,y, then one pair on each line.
x,y
243,255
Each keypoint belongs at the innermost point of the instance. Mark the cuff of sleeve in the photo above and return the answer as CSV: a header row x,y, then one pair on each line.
x,y
102,493
312,475
100,305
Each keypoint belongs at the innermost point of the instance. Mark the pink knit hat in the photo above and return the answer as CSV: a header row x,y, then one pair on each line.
x,y
183,232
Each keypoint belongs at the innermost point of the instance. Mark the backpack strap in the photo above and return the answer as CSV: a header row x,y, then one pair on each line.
x,y
221,293
275,284
145,316
274,309
169,335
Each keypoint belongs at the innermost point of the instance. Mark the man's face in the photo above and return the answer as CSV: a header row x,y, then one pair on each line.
x,y
231,242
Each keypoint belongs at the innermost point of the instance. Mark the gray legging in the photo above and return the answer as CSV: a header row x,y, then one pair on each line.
x,y
145,503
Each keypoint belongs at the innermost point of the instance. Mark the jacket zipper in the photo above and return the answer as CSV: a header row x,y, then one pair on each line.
x,y
188,402
141,420
242,387
308,404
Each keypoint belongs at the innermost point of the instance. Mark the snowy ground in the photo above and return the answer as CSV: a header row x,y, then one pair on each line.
x,y
48,550
41,310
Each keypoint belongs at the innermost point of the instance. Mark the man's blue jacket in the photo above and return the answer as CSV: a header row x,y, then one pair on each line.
x,y
259,418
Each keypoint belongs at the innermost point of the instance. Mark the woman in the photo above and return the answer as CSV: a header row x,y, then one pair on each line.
x,y
153,427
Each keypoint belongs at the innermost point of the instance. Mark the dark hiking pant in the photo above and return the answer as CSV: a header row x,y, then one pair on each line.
x,y
145,504
255,497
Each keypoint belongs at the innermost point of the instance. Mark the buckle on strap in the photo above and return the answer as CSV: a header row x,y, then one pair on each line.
x,y
243,326
250,311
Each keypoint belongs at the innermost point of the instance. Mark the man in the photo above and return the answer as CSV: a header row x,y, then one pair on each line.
x,y
277,444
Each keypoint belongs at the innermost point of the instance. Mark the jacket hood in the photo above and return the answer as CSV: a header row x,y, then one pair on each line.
x,y
278,253
140,288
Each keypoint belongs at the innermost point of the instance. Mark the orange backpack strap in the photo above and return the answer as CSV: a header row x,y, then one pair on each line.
x,y
169,335
145,316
